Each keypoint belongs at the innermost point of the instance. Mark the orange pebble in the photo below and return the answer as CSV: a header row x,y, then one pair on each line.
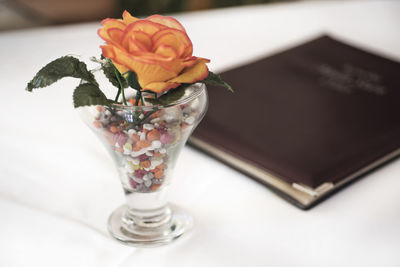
x,y
99,108
153,135
133,101
136,148
119,149
143,143
184,126
154,187
114,129
161,166
156,114
145,164
158,173
97,124
135,137
158,155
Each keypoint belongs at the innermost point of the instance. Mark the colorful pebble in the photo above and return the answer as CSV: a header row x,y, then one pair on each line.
x,y
145,149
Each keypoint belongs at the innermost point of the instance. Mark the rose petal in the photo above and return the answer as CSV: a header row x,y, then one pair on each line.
x,y
190,61
143,38
117,23
197,72
107,25
108,52
128,18
170,64
160,87
167,51
147,70
136,46
174,38
167,21
115,34
169,39
144,26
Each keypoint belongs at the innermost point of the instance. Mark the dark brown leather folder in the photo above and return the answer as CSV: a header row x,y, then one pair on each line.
x,y
306,121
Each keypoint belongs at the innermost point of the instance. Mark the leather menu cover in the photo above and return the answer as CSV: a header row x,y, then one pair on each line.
x,y
307,120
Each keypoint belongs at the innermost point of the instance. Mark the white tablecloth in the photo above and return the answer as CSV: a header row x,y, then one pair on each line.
x,y
58,185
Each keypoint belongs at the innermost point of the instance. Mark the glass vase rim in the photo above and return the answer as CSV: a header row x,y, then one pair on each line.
x,y
193,95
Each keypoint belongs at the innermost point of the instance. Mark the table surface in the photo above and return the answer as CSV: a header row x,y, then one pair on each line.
x,y
58,185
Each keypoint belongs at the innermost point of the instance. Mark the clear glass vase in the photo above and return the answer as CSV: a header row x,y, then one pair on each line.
x,y
145,143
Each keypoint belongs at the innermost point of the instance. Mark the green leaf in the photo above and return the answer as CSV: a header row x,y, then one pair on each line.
x,y
111,73
169,97
215,79
61,67
88,94
132,80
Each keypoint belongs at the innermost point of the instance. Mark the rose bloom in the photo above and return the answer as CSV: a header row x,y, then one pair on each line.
x,y
157,49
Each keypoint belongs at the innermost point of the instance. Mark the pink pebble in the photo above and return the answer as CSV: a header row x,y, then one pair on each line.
x,y
162,130
166,138
132,183
120,138
143,157
140,173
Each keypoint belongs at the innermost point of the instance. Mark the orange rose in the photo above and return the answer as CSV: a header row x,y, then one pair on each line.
x,y
157,49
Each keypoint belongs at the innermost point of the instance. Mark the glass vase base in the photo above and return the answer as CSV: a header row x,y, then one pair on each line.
x,y
180,222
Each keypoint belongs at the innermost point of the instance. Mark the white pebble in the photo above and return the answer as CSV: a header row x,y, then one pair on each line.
x,y
138,153
135,161
130,132
189,120
136,179
148,126
149,153
187,110
195,104
155,120
146,177
155,162
142,136
163,151
156,144
147,183
105,121
151,175
141,116
172,114
129,168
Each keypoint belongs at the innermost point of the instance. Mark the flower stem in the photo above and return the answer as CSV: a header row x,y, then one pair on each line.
x,y
118,93
141,99
138,97
121,88
146,116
